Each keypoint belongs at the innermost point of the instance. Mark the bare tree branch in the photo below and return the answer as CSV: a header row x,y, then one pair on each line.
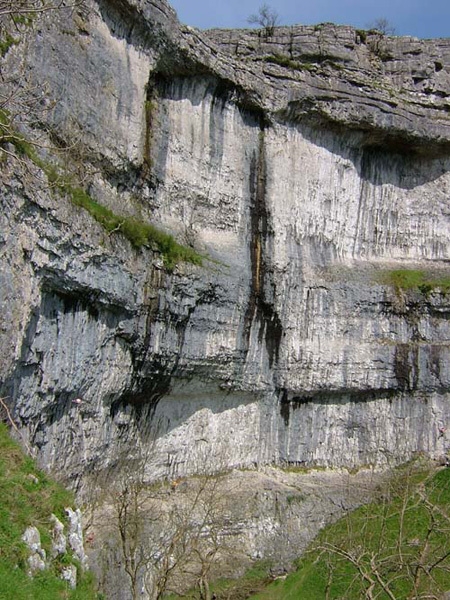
x,y
266,17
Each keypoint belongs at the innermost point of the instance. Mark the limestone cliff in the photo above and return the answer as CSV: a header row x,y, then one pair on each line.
x,y
304,167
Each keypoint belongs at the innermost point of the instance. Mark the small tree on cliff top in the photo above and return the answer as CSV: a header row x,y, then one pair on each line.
x,y
266,17
383,26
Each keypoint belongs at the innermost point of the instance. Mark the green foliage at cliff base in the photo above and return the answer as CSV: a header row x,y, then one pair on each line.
x,y
6,42
28,497
254,580
396,547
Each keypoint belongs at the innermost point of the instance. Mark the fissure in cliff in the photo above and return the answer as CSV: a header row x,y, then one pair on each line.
x,y
259,309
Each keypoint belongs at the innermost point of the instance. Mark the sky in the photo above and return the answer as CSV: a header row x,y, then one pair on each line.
x,y
419,18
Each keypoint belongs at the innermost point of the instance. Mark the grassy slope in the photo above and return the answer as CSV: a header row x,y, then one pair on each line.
x,y
29,497
397,547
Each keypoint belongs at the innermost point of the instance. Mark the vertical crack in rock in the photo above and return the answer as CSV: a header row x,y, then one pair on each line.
x,y
285,406
435,362
261,309
406,367
149,107
367,171
220,97
150,382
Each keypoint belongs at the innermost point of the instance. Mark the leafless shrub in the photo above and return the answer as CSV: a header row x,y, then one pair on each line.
x,y
383,26
266,17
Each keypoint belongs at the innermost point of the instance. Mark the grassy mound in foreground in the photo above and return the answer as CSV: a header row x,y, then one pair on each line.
x,y
397,547
29,497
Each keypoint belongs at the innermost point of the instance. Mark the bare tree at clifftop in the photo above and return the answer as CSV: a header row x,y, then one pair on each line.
x,y
266,17
383,26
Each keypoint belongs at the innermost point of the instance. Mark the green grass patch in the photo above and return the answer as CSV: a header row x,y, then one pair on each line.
x,y
301,469
7,41
410,279
397,546
136,231
284,61
23,19
362,34
29,497
8,134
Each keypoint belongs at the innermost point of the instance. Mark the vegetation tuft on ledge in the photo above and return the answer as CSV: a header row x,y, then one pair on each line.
x,y
410,279
136,231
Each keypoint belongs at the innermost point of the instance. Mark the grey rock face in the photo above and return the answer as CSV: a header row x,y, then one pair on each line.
x,y
37,557
360,79
75,535
303,166
59,541
69,574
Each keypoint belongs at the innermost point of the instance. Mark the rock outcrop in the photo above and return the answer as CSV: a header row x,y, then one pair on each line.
x,y
304,167
38,560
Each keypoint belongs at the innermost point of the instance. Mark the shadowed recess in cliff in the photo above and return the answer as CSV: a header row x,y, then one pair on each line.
x,y
259,309
386,166
381,166
145,391
208,91
125,21
67,338
152,373
406,366
200,85
377,164
290,402
409,144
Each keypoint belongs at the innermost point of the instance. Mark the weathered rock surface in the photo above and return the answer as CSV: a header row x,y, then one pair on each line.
x,y
302,166
75,535
37,556
69,574
59,540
